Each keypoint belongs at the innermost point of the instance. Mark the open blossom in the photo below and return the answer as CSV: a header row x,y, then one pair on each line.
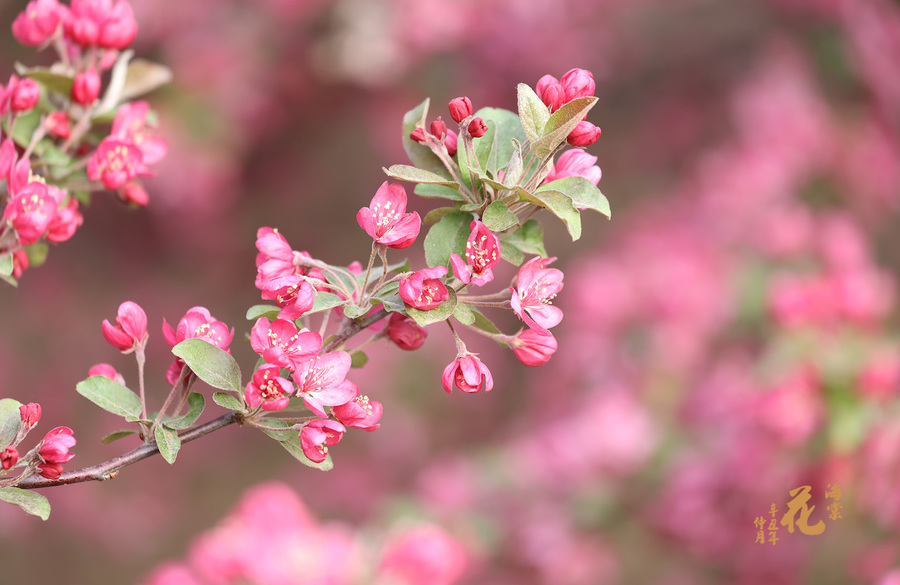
x,y
468,373
54,451
533,347
38,22
317,436
575,163
275,258
9,457
405,332
130,329
30,211
386,219
321,381
268,389
130,124
115,162
280,343
482,254
197,323
359,413
423,289
536,286
293,295
65,223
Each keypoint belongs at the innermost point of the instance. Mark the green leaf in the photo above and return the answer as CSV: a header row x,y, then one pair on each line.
x,y
437,192
559,205
37,254
432,216
211,364
560,125
6,264
31,502
529,239
496,146
392,303
417,175
228,402
116,435
168,442
440,313
483,322
354,311
26,124
420,155
290,440
584,194
110,396
143,77
533,113
196,403
268,311
463,313
53,81
446,236
325,301
10,421
358,359
84,197
512,254
377,271
498,218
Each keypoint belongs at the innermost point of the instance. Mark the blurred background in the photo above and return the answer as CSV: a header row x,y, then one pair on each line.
x,y
729,336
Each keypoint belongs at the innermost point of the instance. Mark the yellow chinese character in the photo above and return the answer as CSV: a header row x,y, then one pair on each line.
x,y
759,522
773,525
773,538
760,537
833,491
773,510
835,509
800,497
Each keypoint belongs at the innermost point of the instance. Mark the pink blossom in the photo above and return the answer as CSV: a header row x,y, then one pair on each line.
x,y
468,373
359,413
321,381
7,154
293,295
423,289
130,329
551,92
101,23
424,554
54,451
275,258
197,323
405,332
578,83
24,95
86,87
107,371
533,347
30,212
536,286
317,436
57,124
9,457
268,389
65,223
39,21
280,343
482,254
31,414
386,219
130,125
134,192
575,163
451,141
115,162
460,108
584,134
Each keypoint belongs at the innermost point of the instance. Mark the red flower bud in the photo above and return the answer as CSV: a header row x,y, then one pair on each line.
x,y
534,348
405,332
551,92
451,142
584,134
57,125
86,87
31,414
578,83
477,128
417,135
460,108
438,128
25,95
9,457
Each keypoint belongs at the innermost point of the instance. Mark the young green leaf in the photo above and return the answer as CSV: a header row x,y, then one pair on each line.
x,y
529,239
446,236
498,218
142,77
417,175
325,301
463,313
228,401
584,194
290,440
31,502
267,311
483,322
168,442
196,403
560,125
431,217
559,205
533,113
37,253
52,80
110,396
6,264
438,192
116,435
211,364
497,148
358,359
10,421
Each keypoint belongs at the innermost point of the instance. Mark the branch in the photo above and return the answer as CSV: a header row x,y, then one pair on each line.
x,y
110,469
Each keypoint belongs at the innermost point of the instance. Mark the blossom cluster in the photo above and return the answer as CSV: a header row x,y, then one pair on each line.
x,y
45,459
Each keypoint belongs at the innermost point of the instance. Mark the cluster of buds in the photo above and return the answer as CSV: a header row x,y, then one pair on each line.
x,y
556,93
54,148
45,459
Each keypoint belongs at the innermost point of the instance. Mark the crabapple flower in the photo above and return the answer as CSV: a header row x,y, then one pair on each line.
x,y
86,87
359,413
438,128
9,457
460,109
578,83
31,414
468,373
533,347
321,381
451,141
575,163
477,128
551,92
584,134
293,295
418,135
197,323
424,554
405,332
317,436
30,211
57,125
115,162
536,286
38,22
386,219
423,289
107,371
268,389
280,343
54,451
101,23
130,124
275,258
65,223
482,254
134,192
24,95
130,329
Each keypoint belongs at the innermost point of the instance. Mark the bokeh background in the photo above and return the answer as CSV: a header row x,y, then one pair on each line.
x,y
730,335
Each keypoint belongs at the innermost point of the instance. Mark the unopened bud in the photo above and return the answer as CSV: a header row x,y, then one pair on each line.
x,y
438,128
460,108
551,92
477,128
584,134
31,414
417,135
26,95
578,83
534,348
57,125
134,192
86,87
9,457
405,332
451,142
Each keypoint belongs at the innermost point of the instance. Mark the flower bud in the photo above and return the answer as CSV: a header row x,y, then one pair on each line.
x,y
468,373
460,108
417,135
130,329
551,92
9,457
438,128
31,414
534,348
57,125
38,22
578,83
134,192
584,134
107,371
405,332
451,142
477,128
86,87
25,95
